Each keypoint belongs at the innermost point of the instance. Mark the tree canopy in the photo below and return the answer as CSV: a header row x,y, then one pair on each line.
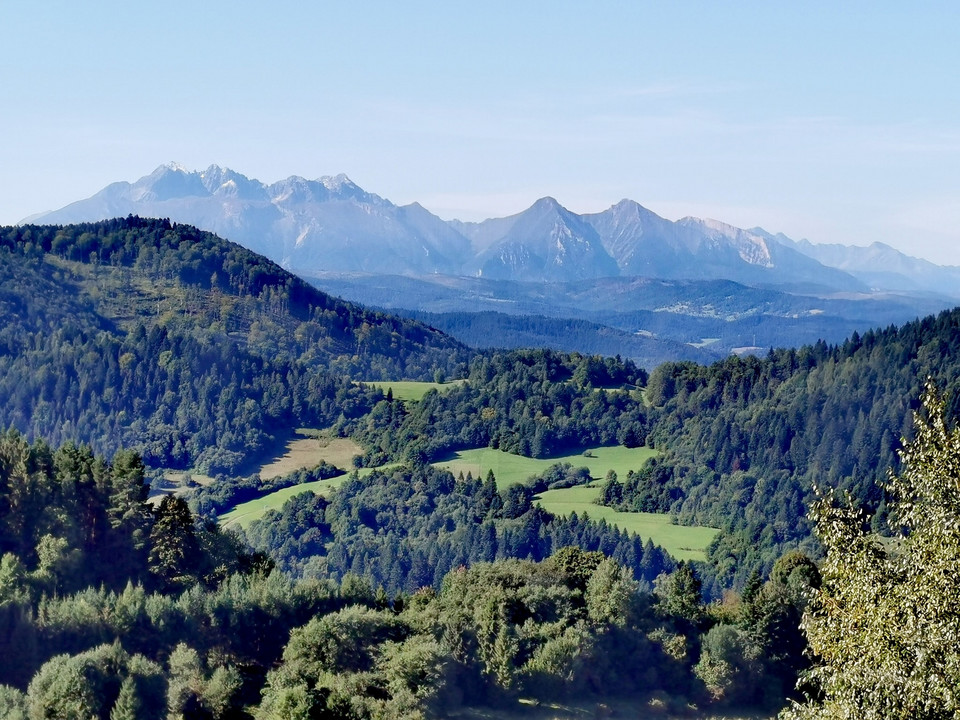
x,y
886,620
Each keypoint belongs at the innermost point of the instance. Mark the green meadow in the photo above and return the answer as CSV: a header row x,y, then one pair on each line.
x,y
412,390
245,513
510,469
682,541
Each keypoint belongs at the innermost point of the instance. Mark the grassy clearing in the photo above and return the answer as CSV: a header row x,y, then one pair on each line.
x,y
681,541
181,477
245,513
307,449
510,469
413,390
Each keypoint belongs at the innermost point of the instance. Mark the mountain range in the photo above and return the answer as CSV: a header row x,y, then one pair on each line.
x,y
716,286
332,225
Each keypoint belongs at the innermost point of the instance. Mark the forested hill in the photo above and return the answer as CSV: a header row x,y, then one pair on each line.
x,y
190,349
747,438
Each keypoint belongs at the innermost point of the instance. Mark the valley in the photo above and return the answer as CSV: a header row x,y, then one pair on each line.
x,y
684,543
624,281
434,514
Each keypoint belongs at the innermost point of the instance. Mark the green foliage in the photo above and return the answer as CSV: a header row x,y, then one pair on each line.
x,y
730,665
406,528
679,595
745,439
610,595
13,703
524,402
183,346
192,691
219,497
93,683
886,620
341,642
128,705
174,547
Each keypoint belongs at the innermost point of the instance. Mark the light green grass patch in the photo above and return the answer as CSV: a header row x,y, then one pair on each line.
x,y
245,513
413,390
681,541
509,468
305,450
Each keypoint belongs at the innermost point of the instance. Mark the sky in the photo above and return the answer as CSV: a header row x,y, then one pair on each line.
x,y
835,122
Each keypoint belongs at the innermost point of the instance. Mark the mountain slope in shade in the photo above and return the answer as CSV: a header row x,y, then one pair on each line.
x,y
546,242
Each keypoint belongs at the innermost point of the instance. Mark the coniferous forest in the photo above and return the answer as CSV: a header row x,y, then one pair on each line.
x,y
131,348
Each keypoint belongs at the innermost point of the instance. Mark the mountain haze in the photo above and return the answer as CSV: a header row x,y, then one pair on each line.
x,y
626,270
332,225
879,266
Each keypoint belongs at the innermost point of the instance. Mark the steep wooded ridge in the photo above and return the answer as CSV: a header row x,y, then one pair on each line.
x,y
186,347
747,438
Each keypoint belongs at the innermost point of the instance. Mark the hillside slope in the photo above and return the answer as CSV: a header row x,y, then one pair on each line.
x,y
182,345
748,438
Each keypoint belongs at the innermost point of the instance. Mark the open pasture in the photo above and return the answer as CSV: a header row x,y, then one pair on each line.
x,y
306,449
412,390
681,541
510,469
245,513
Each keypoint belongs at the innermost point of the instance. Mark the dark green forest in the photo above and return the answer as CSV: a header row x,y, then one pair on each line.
x,y
746,439
134,346
535,403
191,350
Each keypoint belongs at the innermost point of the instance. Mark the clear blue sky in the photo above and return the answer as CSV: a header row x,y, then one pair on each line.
x,y
838,122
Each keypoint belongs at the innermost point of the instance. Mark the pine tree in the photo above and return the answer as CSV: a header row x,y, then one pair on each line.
x,y
173,543
127,706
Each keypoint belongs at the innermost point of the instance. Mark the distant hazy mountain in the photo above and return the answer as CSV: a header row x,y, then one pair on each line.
x,y
546,242
645,244
651,287
878,265
330,224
